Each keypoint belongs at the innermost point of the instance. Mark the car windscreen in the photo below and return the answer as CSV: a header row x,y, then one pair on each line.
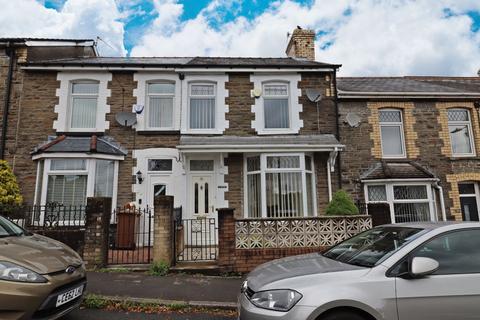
x,y
8,228
373,246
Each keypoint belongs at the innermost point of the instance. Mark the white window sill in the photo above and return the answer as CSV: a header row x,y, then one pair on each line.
x,y
202,131
277,131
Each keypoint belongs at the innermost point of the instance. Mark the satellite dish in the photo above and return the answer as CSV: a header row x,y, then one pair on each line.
x,y
126,119
314,95
353,120
138,108
256,92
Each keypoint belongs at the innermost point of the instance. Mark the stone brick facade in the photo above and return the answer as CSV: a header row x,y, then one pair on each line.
x,y
163,229
408,123
427,143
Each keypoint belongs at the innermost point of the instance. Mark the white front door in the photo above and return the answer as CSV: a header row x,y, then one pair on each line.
x,y
201,194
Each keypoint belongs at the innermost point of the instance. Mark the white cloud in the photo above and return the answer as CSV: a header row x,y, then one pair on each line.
x,y
369,37
76,19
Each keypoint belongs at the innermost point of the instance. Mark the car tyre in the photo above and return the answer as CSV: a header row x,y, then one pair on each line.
x,y
342,315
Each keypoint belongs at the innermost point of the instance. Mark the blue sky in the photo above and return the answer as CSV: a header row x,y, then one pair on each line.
x,y
369,37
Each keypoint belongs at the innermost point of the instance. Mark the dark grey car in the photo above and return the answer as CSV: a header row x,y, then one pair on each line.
x,y
414,271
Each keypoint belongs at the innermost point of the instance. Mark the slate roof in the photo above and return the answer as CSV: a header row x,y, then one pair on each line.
x,y
226,140
21,39
408,85
187,62
397,170
92,144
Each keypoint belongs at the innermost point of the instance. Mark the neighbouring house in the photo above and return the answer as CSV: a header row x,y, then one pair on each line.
x,y
267,137
413,143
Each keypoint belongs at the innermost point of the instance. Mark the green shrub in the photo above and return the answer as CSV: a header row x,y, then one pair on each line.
x,y
159,268
341,204
9,190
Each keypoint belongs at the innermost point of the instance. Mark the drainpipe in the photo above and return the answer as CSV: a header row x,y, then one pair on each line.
x,y
11,55
337,120
442,200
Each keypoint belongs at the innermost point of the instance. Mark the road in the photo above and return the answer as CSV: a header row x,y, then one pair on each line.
x,y
94,314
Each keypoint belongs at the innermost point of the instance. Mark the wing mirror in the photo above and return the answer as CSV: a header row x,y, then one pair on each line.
x,y
421,267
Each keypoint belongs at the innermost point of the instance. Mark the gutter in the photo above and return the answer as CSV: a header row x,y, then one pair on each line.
x,y
11,54
337,120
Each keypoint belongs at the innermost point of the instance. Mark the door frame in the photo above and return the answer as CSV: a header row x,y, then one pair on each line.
x,y
212,175
470,195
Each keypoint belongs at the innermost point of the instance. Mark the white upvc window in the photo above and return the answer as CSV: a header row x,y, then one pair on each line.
x,y
279,186
83,104
392,133
277,109
82,101
276,106
69,181
408,201
460,128
160,105
202,105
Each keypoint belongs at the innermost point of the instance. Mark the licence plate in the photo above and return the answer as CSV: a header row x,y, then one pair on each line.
x,y
69,295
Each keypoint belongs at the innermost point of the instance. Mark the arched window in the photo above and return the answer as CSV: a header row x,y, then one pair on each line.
x,y
391,132
202,100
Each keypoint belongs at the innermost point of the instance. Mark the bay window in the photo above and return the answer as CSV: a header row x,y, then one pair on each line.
x,y
279,186
407,202
68,182
202,100
391,132
160,104
83,104
460,128
276,106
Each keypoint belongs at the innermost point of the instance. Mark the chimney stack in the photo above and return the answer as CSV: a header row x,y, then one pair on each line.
x,y
302,44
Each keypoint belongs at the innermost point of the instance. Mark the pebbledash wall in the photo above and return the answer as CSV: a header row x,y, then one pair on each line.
x,y
426,139
32,115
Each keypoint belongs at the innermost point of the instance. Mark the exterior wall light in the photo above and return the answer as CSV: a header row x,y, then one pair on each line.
x,y
139,177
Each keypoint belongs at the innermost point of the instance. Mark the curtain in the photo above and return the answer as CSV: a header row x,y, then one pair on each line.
x,y
160,112
104,175
69,190
84,113
276,113
284,194
460,139
202,113
392,140
254,203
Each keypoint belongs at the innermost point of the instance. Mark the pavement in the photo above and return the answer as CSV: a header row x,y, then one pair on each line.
x,y
95,314
194,290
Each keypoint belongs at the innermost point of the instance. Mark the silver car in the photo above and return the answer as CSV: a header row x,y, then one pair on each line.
x,y
415,271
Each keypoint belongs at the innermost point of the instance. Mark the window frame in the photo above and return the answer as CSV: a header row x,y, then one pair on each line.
x,y
149,95
393,124
390,197
289,111
89,171
263,172
215,104
72,96
158,171
468,123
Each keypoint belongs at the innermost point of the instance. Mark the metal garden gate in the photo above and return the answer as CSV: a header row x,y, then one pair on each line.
x,y
130,238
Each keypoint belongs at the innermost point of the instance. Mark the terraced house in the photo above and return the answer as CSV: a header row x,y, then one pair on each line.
x,y
267,137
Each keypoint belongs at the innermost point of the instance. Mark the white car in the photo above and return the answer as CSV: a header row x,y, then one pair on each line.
x,y
414,271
